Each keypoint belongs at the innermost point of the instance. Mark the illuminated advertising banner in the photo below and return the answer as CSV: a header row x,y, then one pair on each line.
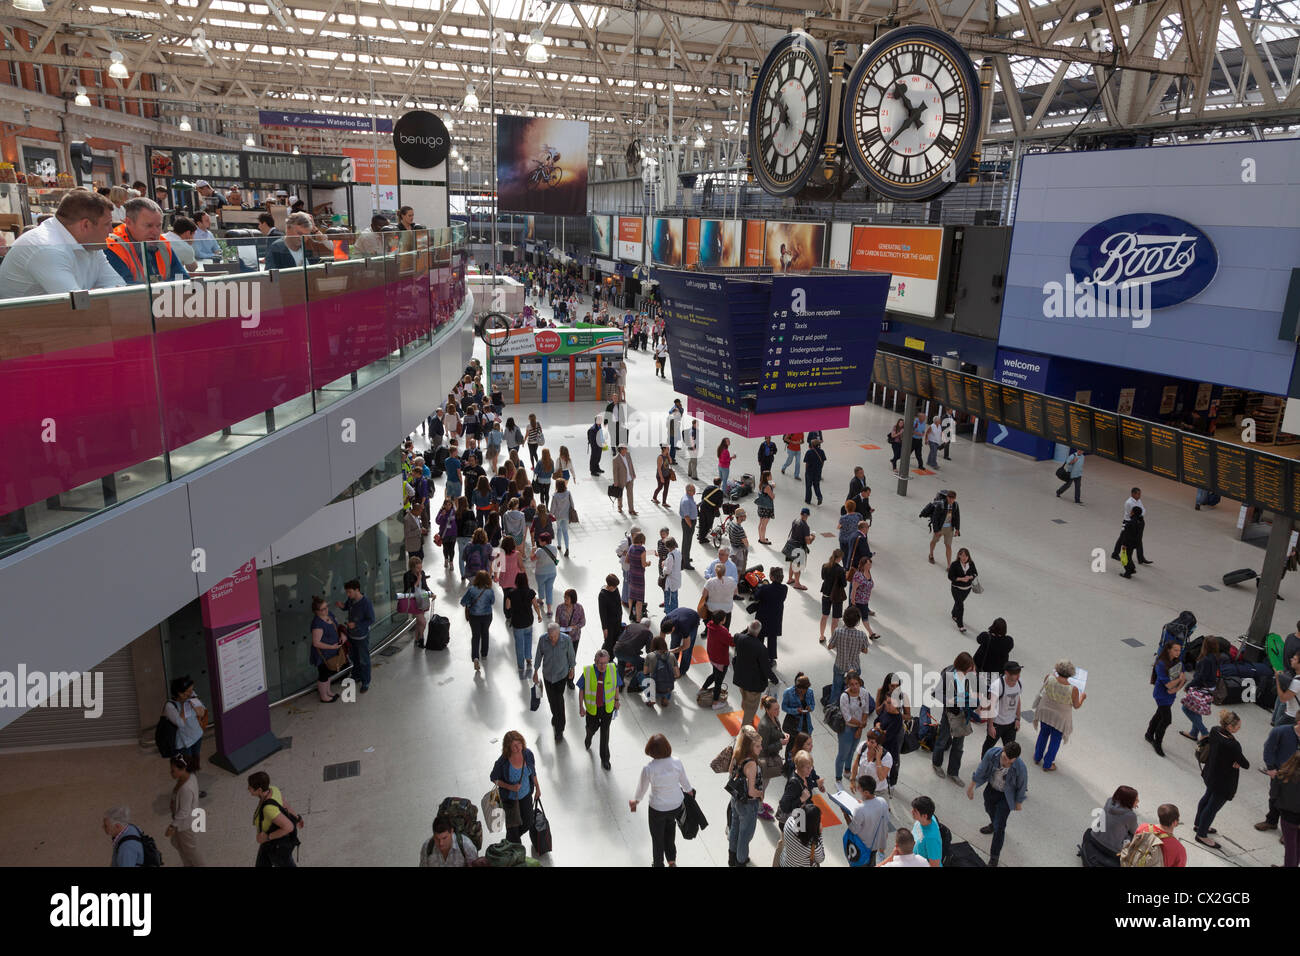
x,y
692,242
794,246
911,255
667,242
630,238
754,254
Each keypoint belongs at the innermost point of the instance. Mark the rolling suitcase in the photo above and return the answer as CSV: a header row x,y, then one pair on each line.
x,y
1238,576
439,634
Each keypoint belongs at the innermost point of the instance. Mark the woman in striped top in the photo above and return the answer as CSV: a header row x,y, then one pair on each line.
x,y
801,839
534,437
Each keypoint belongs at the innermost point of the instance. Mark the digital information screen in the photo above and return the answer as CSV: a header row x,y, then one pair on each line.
x,y
956,389
1032,405
892,375
1058,426
1164,451
923,382
992,394
908,377
1232,471
820,341
1013,408
1105,434
1198,462
971,391
878,369
699,337
1080,427
939,385
1134,443
1268,483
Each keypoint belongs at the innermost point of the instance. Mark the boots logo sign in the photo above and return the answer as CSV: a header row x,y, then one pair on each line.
x,y
1173,258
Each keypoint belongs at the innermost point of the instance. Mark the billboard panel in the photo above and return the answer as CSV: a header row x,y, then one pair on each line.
x,y
794,246
667,242
630,238
911,255
692,242
754,242
721,243
837,256
602,236
541,165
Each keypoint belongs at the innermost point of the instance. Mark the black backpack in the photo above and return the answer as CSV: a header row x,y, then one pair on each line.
x,y
664,680
293,837
164,735
152,858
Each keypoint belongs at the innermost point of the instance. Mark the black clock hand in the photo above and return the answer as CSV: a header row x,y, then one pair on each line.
x,y
905,124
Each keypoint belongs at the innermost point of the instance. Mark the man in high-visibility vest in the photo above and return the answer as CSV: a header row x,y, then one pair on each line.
x,y
136,249
598,696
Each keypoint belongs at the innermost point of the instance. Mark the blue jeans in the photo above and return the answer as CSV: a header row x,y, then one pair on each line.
x,y
724,472
837,685
792,456
670,601
523,645
1198,723
1049,742
995,805
844,756
546,588
744,820
453,489
562,532
934,463
461,545
687,646
359,651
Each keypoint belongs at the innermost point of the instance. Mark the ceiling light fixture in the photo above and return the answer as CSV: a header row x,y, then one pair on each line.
x,y
471,98
600,160
295,150
185,126
30,6
82,99
455,153
699,141
249,141
117,66
536,52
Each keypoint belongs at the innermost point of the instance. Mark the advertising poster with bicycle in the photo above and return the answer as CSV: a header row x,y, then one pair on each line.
x,y
542,165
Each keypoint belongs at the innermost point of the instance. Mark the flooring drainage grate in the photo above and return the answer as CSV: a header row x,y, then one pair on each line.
x,y
1131,642
1208,587
341,771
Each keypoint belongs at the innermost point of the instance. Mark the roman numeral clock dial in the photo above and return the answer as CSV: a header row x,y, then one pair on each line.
x,y
788,114
911,110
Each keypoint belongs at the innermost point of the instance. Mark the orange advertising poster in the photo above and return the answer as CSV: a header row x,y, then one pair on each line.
x,y
692,243
363,162
629,229
908,251
754,229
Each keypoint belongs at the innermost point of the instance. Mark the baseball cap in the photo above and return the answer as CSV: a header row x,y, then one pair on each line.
x,y
201,183
805,511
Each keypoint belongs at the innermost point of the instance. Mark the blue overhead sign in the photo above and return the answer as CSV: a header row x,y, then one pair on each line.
x,y
821,341
698,318
1173,257
353,124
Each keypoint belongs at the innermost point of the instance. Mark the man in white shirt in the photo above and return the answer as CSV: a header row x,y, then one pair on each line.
x,y
370,242
934,438
1134,501
1004,697
904,844
64,253
180,236
870,822
724,558
205,243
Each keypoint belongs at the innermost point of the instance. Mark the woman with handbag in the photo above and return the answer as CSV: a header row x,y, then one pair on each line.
x,y
765,505
446,536
466,525
545,569
1198,698
1054,713
1223,766
542,473
1168,678
798,703
535,438
565,464
745,787
896,443
515,777
327,651
637,561
664,475
799,788
961,575
871,760
543,523
571,617
834,582
724,462
855,706
415,581
665,778
477,602
562,511
863,584
774,738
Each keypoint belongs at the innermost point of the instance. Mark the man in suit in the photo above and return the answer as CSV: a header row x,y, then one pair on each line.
x,y
594,442
624,476
291,251
856,485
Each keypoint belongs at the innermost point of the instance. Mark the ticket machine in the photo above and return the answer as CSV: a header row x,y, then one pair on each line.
x,y
557,380
584,380
503,378
530,381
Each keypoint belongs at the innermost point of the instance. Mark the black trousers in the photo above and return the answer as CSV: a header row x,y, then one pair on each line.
x,y
1160,722
515,834
1141,554
715,679
916,450
1068,481
707,517
1002,734
687,533
595,460
555,697
275,853
959,605
663,833
600,721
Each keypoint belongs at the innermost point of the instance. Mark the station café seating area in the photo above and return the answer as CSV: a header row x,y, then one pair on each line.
x,y
109,393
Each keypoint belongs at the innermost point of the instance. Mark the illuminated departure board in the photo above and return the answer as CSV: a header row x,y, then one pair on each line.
x,y
1058,426
1080,427
1134,443
1105,434
1164,451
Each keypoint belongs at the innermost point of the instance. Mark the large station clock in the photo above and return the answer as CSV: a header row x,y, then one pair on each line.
x,y
911,111
788,114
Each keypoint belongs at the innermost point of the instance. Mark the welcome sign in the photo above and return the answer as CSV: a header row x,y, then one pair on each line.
x,y
1173,257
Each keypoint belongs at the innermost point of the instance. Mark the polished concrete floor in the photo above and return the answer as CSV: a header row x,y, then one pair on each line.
x,y
430,727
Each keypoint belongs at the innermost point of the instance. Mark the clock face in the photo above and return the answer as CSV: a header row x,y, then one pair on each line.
x,y
787,118
912,110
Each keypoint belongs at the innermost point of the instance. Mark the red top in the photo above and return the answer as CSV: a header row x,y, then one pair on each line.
x,y
1171,847
793,440
719,644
